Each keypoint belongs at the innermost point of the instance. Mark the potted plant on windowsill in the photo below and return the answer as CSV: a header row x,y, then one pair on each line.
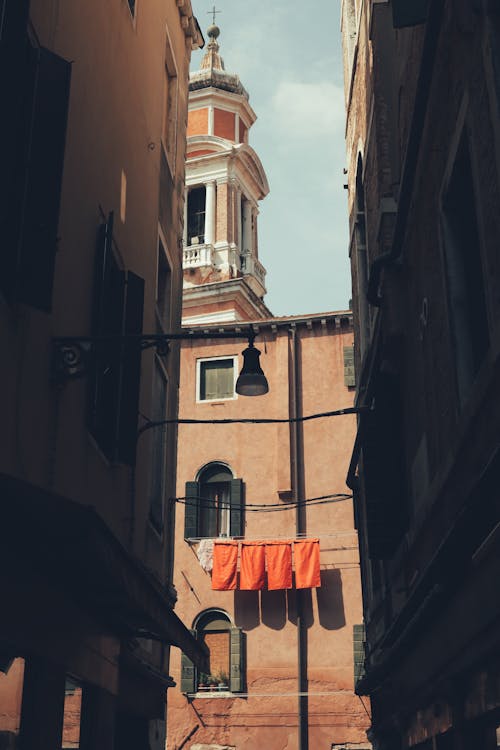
x,y
203,681
223,680
212,681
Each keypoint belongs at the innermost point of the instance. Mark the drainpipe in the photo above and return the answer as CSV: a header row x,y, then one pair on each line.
x,y
300,527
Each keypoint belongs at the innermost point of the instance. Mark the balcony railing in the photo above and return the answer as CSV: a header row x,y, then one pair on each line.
x,y
196,256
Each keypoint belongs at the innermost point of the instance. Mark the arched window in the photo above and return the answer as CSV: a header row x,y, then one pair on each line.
x,y
214,504
225,644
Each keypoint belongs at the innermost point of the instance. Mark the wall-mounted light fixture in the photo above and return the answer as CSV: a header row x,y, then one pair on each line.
x,y
73,355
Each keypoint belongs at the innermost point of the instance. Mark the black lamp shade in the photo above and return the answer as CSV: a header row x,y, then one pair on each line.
x,y
251,381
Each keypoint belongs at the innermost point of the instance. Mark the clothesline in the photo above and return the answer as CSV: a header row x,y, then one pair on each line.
x,y
304,535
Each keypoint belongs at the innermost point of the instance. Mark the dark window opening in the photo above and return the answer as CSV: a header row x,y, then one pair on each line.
x,y
214,505
466,293
131,5
196,216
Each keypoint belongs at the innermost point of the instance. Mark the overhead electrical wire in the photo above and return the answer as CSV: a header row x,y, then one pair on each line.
x,y
258,420
209,503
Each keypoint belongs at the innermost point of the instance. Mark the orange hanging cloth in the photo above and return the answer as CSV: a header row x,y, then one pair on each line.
x,y
279,565
252,566
224,566
306,554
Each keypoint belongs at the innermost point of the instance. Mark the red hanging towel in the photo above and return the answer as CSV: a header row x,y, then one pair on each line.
x,y
279,565
224,566
252,566
306,554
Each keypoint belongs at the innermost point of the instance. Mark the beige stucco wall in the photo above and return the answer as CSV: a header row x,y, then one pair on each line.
x,y
260,455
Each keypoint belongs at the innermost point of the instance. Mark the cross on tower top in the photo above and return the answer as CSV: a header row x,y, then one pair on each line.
x,y
213,12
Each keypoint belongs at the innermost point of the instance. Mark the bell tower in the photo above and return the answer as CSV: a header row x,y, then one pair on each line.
x,y
224,279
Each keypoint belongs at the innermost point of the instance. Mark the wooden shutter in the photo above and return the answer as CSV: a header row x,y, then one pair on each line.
x,y
131,370
409,12
236,661
107,322
349,375
13,133
236,522
44,178
358,642
188,672
191,511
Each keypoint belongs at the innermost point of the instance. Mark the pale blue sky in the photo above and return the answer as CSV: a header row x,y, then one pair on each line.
x,y
288,56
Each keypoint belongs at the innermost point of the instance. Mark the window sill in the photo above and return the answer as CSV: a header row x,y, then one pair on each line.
x,y
208,693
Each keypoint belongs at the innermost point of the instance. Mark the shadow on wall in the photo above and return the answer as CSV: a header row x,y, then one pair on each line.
x,y
274,608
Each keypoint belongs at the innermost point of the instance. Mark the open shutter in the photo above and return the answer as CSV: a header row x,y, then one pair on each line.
x,y
236,521
44,179
188,672
191,511
349,376
358,642
131,370
107,322
13,133
236,666
409,12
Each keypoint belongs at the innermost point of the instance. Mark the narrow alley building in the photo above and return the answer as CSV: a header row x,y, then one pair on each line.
x,y
423,160
94,106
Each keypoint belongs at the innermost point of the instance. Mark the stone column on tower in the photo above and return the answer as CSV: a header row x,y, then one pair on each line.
x,y
210,213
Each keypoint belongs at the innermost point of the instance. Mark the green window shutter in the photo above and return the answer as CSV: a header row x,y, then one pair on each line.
x,y
409,12
236,666
349,375
188,670
236,523
358,642
191,511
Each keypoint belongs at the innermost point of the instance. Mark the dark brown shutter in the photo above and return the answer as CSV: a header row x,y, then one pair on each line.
x,y
236,503
409,12
131,370
236,666
191,511
188,672
107,325
44,177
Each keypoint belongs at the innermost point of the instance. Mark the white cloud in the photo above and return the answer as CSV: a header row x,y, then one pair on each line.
x,y
306,110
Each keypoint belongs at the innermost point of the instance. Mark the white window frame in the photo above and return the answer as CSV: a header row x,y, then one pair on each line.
x,y
201,361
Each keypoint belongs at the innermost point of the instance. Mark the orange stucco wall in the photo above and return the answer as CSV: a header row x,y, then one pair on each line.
x,y
201,152
224,124
197,122
262,456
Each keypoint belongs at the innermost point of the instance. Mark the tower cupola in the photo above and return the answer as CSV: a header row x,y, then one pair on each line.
x,y
225,181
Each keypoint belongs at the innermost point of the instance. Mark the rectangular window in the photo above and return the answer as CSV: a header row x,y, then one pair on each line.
x,y
170,98
163,287
462,250
159,447
196,216
114,385
216,379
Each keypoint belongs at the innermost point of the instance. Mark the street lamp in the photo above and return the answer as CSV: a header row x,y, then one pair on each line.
x,y
251,380
73,355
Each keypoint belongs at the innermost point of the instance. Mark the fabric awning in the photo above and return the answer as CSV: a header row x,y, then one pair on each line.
x,y
79,553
